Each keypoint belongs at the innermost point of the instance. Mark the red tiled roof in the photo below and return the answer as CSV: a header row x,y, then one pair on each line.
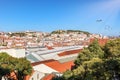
x,y
41,62
70,52
100,41
60,67
56,65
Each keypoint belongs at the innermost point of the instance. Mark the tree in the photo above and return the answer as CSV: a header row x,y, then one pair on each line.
x,y
87,63
112,49
85,55
94,50
5,66
23,68
112,67
20,34
20,66
67,75
95,63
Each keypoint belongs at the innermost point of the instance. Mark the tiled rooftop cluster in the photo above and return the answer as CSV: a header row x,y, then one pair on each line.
x,y
50,54
41,39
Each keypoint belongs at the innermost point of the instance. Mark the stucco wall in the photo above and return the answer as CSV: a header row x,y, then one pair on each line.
x,y
15,52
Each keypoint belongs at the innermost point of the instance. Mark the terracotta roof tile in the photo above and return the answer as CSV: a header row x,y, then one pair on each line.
x,y
60,67
70,52
100,41
40,62
56,65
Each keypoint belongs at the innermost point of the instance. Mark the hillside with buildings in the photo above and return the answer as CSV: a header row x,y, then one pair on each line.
x,y
48,53
59,39
56,38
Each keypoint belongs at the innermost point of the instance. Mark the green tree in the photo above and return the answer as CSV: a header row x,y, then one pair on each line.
x,y
112,49
112,67
8,64
23,68
95,63
85,55
94,50
67,75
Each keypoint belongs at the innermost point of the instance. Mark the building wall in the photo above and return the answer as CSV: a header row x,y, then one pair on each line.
x,y
20,53
35,76
14,52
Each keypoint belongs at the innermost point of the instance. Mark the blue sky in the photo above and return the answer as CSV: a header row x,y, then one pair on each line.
x,y
49,15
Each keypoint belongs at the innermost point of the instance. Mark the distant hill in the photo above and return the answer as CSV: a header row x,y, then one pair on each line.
x,y
58,32
69,31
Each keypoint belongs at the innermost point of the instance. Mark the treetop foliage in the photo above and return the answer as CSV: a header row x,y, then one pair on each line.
x,y
20,34
96,63
69,31
8,64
